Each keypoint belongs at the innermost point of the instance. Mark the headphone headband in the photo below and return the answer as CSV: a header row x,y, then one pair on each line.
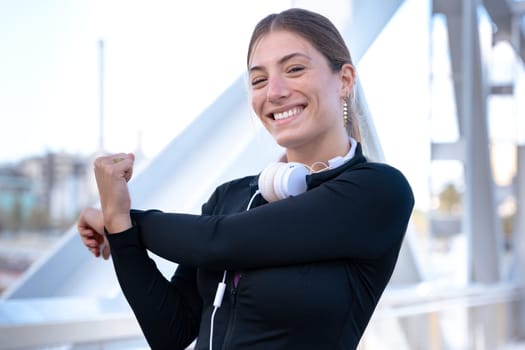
x,y
282,180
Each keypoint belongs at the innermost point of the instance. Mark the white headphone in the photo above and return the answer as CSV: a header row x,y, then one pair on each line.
x,y
282,180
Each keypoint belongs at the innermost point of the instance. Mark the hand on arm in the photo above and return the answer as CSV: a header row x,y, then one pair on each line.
x,y
112,174
90,226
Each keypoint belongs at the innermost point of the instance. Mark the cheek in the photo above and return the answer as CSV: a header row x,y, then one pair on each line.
x,y
257,103
331,104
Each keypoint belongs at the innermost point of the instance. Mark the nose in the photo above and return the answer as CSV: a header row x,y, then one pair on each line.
x,y
277,89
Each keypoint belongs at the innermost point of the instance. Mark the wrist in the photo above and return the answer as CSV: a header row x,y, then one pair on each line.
x,y
117,223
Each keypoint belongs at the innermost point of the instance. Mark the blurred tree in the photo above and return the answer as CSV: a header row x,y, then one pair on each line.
x,y
449,199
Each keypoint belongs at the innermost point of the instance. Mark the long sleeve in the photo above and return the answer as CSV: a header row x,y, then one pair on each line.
x,y
168,312
360,214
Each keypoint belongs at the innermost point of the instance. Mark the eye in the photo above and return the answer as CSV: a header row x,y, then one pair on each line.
x,y
258,81
257,78
295,69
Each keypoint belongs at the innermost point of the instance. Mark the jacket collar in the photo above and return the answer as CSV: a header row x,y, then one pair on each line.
x,y
315,179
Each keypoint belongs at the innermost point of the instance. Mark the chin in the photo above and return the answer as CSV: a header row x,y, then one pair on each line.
x,y
287,141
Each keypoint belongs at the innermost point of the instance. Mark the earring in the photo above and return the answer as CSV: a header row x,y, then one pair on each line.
x,y
345,112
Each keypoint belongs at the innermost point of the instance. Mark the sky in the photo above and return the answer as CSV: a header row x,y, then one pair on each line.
x,y
164,63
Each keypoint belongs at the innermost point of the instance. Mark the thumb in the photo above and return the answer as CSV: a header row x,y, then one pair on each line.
x,y
129,172
105,251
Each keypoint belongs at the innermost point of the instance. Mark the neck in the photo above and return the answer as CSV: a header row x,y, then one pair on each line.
x,y
317,156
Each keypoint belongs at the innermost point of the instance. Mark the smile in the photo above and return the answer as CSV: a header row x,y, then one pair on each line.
x,y
287,114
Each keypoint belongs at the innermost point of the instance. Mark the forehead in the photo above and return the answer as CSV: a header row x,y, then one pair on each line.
x,y
273,46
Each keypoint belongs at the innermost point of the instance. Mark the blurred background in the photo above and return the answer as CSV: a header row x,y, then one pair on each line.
x,y
441,97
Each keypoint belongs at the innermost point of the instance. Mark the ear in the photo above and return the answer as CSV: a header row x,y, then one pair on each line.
x,y
347,79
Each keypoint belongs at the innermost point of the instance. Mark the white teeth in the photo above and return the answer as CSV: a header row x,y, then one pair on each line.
x,y
286,114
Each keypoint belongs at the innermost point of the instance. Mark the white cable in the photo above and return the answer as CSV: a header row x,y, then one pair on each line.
x,y
251,199
217,303
221,288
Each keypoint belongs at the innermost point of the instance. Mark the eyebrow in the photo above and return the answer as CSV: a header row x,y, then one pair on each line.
x,y
282,60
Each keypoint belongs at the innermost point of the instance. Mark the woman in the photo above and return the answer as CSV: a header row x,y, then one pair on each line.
x,y
260,269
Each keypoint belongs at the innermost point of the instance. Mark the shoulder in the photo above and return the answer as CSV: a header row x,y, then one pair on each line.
x,y
374,171
381,182
380,196
378,171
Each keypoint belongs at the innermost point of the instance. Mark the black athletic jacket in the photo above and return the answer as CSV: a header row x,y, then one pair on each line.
x,y
313,267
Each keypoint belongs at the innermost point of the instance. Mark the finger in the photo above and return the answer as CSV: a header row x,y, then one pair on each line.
x,y
112,158
87,237
94,248
117,158
116,165
128,174
106,252
95,252
128,161
92,244
107,164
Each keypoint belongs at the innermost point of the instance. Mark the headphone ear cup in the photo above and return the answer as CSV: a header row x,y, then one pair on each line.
x,y
290,180
266,181
281,180
279,187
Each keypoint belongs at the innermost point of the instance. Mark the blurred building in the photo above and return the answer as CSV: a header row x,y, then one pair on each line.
x,y
46,192
40,198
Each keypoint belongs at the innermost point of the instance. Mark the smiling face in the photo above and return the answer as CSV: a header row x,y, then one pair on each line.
x,y
296,95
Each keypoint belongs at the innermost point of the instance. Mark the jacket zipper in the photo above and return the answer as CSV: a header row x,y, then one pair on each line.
x,y
233,314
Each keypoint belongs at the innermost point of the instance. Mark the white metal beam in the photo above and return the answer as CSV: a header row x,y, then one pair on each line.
x,y
504,13
519,234
480,218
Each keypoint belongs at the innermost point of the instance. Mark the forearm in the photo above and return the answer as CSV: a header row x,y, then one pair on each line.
x,y
167,318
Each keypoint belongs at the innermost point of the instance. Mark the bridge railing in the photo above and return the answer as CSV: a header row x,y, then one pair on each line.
x,y
420,317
